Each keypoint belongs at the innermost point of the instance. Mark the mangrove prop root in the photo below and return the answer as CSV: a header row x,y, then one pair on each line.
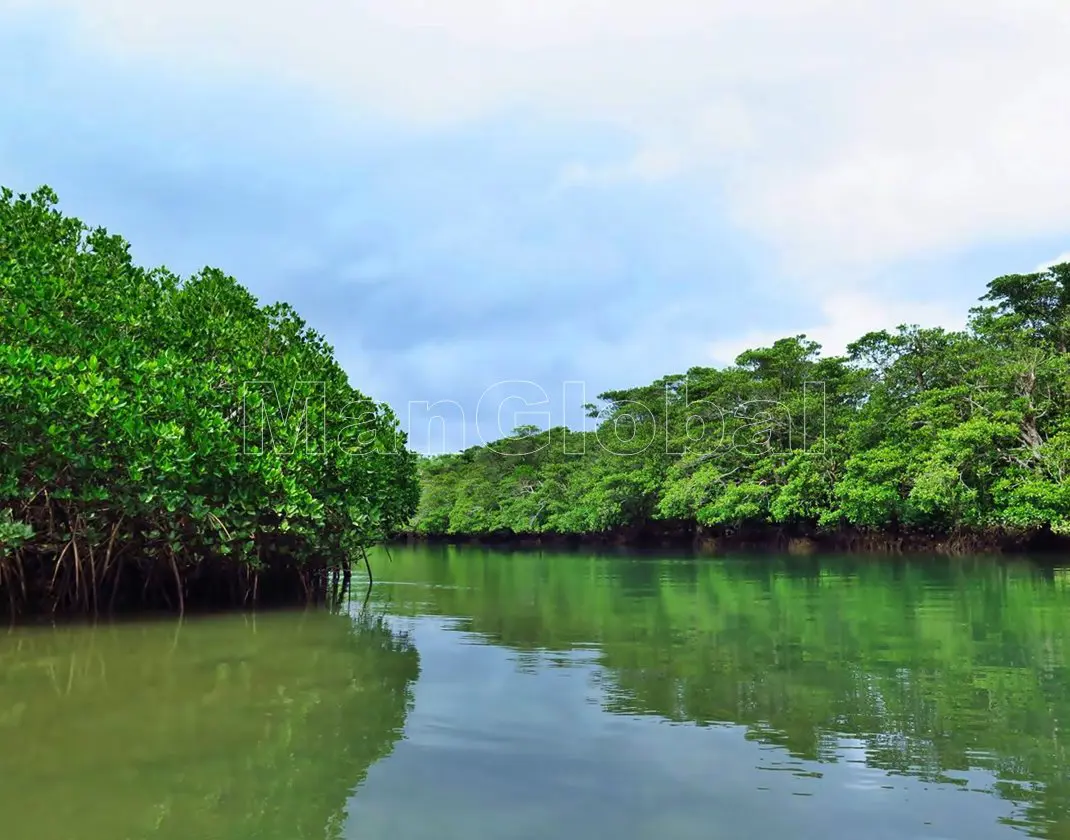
x,y
78,576
367,564
178,585
115,586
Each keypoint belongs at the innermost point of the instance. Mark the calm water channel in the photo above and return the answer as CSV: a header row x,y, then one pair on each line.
x,y
489,695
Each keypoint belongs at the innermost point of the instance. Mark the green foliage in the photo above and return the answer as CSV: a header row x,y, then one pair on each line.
x,y
164,417
915,428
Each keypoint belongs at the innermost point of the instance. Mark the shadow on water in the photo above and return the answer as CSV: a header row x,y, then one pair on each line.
x,y
928,668
216,727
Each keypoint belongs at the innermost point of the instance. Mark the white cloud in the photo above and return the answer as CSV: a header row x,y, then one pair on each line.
x,y
844,134
1059,260
847,317
649,164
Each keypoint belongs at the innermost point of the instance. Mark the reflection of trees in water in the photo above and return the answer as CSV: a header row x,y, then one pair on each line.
x,y
221,727
934,668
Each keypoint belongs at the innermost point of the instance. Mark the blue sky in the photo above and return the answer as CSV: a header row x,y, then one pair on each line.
x,y
465,194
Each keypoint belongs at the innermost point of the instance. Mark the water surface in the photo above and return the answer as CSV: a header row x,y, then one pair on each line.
x,y
491,695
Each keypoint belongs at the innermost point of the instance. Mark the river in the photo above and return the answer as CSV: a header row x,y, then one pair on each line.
x,y
481,694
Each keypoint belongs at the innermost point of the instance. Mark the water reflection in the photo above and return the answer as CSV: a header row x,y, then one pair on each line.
x,y
948,673
229,727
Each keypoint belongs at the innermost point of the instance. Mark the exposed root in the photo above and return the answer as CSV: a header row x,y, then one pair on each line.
x,y
77,571
110,549
178,585
367,565
115,586
59,563
77,575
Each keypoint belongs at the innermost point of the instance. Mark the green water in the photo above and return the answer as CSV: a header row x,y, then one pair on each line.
x,y
488,695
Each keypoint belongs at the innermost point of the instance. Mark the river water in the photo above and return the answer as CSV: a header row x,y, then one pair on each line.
x,y
479,694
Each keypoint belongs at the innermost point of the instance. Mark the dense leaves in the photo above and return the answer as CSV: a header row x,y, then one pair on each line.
x,y
146,418
924,429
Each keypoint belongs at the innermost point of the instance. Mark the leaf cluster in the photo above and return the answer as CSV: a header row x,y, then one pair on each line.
x,y
912,428
173,419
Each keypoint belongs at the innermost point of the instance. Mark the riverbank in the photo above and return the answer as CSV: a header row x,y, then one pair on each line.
x,y
36,586
690,536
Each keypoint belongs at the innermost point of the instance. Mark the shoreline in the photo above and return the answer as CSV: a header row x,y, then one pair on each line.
x,y
37,589
787,540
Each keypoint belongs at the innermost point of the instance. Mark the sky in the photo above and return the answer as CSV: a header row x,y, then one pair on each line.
x,y
506,208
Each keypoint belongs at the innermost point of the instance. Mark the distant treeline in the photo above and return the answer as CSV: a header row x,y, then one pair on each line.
x,y
912,431
143,455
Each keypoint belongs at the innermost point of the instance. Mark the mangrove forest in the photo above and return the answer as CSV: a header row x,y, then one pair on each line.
x,y
915,438
170,441
167,441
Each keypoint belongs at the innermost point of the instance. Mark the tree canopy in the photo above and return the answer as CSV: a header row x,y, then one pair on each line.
x,y
147,418
912,428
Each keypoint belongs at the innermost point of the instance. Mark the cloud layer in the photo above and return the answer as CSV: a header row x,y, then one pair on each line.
x,y
859,132
464,193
